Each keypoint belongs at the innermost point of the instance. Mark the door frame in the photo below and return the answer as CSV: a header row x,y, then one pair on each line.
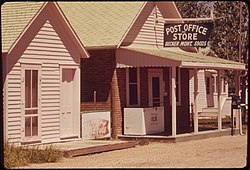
x,y
76,102
158,73
24,67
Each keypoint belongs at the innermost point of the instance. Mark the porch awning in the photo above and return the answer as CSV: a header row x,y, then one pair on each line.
x,y
132,56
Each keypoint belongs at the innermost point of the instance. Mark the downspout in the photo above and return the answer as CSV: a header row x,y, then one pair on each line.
x,y
241,105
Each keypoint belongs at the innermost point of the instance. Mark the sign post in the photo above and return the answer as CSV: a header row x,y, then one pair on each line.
x,y
187,34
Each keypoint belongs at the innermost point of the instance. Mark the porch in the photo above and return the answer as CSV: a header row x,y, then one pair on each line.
x,y
163,137
163,75
84,147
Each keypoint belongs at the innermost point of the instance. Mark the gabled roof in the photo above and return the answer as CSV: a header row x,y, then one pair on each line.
x,y
100,24
15,16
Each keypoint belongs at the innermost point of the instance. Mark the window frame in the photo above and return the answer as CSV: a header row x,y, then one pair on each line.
x,y
208,85
24,68
128,88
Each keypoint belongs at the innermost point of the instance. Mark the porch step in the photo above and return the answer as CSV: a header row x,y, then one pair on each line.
x,y
98,149
209,112
210,109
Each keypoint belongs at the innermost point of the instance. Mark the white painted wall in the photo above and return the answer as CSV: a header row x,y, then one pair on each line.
x,y
201,97
49,50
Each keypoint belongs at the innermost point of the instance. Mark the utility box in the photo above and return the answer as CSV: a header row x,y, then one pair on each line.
x,y
236,101
143,121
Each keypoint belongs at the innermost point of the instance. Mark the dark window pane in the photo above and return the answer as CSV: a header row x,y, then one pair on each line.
x,y
34,88
133,94
27,88
208,85
156,102
34,126
28,126
132,75
177,92
156,87
177,74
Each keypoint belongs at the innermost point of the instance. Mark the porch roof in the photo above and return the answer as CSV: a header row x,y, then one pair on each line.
x,y
134,56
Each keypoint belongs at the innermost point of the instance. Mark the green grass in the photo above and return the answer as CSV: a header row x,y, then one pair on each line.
x,y
16,156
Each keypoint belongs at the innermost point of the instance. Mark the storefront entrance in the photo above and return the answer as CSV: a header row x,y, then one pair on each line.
x,y
155,87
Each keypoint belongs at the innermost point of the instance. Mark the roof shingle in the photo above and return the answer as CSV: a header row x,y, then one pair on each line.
x,y
100,23
15,16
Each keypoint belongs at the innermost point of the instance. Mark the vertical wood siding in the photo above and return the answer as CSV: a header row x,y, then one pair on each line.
x,y
46,49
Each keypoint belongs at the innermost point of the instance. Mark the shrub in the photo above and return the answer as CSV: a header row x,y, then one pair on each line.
x,y
51,154
15,156
142,142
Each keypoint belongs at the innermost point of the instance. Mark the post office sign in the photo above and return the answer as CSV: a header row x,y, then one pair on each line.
x,y
187,35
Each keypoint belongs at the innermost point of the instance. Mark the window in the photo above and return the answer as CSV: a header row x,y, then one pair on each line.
x,y
133,87
213,84
223,84
207,85
31,103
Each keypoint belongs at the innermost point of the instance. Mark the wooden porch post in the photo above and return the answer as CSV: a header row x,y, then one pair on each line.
x,y
219,103
195,100
173,88
237,92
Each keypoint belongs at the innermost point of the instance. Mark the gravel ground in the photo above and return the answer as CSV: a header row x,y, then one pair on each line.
x,y
217,152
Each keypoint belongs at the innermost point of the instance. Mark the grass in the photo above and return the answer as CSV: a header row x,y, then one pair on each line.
x,y
16,156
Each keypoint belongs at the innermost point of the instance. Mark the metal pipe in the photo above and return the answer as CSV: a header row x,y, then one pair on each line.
x,y
240,119
232,120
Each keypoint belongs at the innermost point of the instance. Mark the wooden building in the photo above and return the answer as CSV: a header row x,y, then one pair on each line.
x,y
41,70
128,71
130,68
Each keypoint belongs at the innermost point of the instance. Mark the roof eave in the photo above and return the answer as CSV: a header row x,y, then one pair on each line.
x,y
208,65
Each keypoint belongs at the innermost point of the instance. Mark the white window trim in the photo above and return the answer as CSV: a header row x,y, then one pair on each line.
x,y
158,72
23,68
214,84
222,83
223,78
138,88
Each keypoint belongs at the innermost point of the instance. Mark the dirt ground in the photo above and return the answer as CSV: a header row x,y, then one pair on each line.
x,y
216,152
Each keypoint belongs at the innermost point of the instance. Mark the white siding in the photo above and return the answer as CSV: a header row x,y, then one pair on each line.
x,y
46,49
150,33
201,98
14,110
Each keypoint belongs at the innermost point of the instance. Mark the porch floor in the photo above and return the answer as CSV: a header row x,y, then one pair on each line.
x,y
83,147
180,137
